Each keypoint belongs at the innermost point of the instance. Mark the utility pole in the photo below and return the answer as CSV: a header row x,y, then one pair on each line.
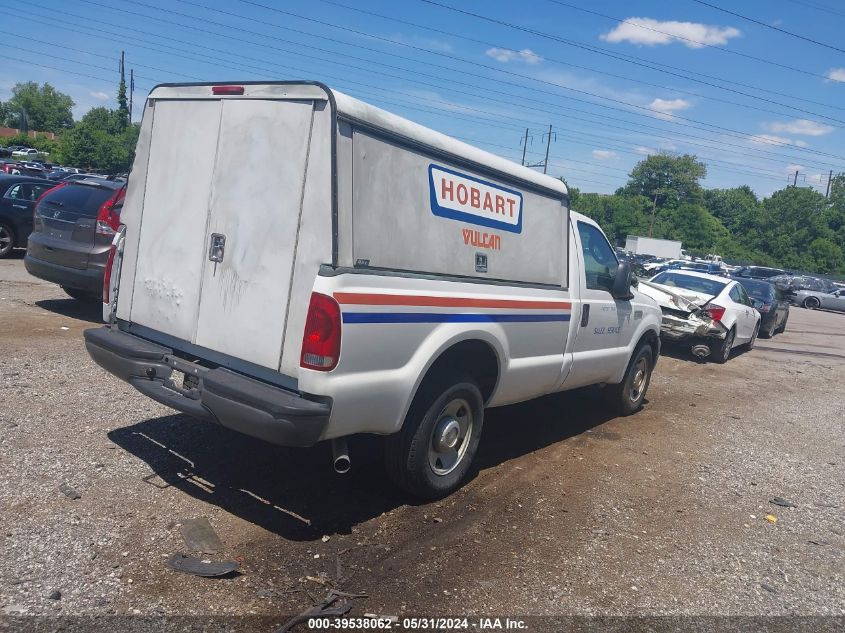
x,y
131,91
524,146
548,142
795,180
653,213
545,162
829,178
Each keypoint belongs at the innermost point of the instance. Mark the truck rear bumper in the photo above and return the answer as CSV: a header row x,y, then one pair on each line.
x,y
219,395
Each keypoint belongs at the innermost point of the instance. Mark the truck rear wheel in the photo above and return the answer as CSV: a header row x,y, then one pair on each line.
x,y
629,394
433,452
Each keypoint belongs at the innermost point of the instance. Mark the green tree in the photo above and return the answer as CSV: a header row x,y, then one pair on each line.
x,y
123,106
100,142
791,220
733,207
47,109
692,225
667,180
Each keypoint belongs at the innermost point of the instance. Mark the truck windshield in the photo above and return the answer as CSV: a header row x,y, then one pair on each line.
x,y
689,282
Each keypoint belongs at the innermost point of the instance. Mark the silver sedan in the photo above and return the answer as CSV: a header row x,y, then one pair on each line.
x,y
812,300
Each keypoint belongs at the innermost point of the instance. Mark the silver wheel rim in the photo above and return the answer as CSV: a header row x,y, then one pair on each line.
x,y
812,303
451,436
5,240
639,380
729,343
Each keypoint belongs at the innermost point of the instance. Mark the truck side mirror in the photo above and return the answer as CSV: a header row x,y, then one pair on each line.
x,y
622,282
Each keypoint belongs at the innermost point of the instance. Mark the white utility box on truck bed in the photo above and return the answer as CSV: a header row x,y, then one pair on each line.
x,y
300,266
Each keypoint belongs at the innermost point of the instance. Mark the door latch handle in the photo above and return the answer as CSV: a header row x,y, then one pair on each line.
x,y
585,314
217,248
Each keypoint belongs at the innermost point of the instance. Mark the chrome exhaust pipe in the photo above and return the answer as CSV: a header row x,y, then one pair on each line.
x,y
340,456
700,351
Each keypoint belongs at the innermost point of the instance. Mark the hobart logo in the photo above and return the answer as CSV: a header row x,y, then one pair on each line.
x,y
469,199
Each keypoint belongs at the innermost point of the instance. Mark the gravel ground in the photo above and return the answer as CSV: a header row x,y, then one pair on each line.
x,y
571,512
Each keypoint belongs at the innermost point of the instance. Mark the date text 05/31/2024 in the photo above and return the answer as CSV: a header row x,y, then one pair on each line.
x,y
417,624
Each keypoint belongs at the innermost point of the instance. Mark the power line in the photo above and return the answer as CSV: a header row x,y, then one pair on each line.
x,y
770,26
818,7
593,49
778,158
651,112
478,64
677,37
474,86
522,76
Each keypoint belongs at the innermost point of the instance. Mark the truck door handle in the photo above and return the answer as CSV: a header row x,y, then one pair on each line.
x,y
217,248
585,314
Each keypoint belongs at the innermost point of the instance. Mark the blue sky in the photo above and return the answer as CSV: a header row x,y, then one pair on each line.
x,y
613,91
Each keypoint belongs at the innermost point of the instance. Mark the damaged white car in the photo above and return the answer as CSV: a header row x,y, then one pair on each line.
x,y
711,313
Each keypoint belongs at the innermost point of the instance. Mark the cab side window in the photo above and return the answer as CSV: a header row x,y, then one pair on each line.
x,y
600,262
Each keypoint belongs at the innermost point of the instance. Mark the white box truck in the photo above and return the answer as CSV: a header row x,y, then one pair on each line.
x,y
669,249
300,266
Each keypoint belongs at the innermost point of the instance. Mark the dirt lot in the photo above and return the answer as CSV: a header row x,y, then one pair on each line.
x,y
571,511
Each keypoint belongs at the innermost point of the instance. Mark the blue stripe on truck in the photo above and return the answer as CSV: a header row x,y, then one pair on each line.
x,y
432,317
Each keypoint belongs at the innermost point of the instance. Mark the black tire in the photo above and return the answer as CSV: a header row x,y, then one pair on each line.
x,y
782,327
811,303
80,295
770,332
750,344
408,453
627,397
7,240
721,350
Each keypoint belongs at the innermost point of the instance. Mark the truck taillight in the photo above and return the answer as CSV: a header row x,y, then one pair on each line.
x,y
716,312
321,339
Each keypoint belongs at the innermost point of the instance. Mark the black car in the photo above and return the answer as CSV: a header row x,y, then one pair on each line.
x,y
73,229
770,302
17,195
758,272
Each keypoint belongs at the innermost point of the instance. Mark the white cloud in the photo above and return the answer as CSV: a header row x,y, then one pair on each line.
x,y
791,169
665,108
836,74
505,55
773,139
604,154
804,127
99,94
650,32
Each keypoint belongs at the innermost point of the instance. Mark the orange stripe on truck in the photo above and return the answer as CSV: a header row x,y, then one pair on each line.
x,y
373,299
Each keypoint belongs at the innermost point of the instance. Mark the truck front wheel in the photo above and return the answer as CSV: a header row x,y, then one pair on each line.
x,y
629,394
433,452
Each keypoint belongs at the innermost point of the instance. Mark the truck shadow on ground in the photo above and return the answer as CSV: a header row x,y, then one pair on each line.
x,y
91,311
295,493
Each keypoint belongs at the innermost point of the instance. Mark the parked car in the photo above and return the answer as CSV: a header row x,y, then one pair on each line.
x,y
26,153
285,324
18,194
770,301
712,314
813,300
74,225
710,268
791,284
5,151
758,272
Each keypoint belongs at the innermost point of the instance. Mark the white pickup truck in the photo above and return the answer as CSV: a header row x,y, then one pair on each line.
x,y
300,266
